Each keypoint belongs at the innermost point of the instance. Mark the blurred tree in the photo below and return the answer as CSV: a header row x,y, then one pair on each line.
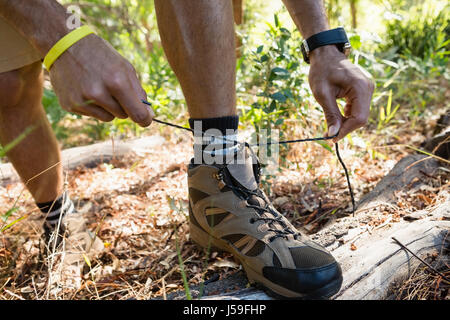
x,y
238,8
334,8
354,11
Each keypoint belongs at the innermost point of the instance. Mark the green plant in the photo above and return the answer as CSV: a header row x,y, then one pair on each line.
x,y
183,273
15,142
423,34
3,150
386,115
278,79
55,113
409,66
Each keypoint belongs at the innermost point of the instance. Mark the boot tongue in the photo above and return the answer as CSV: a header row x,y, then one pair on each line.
x,y
243,173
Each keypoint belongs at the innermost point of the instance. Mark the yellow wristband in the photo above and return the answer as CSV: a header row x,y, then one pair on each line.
x,y
65,43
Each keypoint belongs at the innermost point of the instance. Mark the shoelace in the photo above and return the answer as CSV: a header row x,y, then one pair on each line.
x,y
285,232
246,195
277,142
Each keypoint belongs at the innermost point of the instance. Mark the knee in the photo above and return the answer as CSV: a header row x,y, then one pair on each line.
x,y
15,84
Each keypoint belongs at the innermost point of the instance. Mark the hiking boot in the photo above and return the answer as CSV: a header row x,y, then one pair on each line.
x,y
229,212
69,245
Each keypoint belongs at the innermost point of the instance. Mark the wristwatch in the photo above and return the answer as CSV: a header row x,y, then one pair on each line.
x,y
336,36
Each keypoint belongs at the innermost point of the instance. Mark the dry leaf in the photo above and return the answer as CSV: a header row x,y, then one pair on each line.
x,y
225,264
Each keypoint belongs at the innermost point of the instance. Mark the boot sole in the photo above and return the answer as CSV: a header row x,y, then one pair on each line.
x,y
206,240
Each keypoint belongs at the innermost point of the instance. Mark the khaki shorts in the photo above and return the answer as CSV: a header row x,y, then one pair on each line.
x,y
15,51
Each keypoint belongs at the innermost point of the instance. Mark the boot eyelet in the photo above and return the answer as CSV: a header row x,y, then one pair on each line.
x,y
252,220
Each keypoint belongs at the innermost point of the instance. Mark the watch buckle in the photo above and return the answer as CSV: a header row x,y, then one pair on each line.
x,y
305,46
347,48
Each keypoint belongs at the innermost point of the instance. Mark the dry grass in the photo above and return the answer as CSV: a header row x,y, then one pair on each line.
x,y
423,284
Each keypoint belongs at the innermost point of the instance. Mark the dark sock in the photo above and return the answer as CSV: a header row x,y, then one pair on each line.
x,y
53,210
221,123
219,140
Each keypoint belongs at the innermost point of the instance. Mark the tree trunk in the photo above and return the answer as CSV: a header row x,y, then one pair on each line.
x,y
238,11
354,10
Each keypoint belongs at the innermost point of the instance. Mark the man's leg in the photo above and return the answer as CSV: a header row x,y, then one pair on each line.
x,y
199,42
198,39
37,157
227,210
21,108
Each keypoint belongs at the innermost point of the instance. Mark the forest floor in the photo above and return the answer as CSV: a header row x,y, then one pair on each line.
x,y
138,204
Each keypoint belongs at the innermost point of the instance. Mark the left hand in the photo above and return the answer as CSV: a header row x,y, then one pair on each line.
x,y
333,76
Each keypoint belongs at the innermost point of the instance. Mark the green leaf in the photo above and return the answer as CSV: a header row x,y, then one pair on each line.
x,y
279,96
288,93
183,273
16,141
8,213
355,41
279,122
286,32
325,145
278,73
272,106
13,223
277,22
391,116
382,114
389,103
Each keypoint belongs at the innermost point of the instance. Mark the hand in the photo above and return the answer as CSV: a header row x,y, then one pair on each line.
x,y
93,79
333,76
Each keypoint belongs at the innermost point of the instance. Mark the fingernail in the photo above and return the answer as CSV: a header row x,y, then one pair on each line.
x,y
332,130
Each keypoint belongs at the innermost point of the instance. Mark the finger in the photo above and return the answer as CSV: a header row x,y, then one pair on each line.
x,y
348,110
137,86
102,99
94,111
357,119
333,115
122,90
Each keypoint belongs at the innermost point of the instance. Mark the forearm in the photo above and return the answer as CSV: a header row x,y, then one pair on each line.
x,y
308,15
42,22
310,18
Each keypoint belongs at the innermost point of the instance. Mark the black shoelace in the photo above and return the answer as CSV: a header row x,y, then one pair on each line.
x,y
277,142
285,232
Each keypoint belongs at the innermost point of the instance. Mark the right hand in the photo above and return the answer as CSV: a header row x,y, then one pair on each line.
x,y
333,76
93,79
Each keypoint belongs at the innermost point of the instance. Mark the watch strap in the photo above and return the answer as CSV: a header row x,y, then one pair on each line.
x,y
324,38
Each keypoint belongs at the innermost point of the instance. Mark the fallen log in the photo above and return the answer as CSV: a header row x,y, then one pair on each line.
x,y
378,261
91,155
370,265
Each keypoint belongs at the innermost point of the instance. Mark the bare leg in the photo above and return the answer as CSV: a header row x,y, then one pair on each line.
x,y
21,108
199,42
